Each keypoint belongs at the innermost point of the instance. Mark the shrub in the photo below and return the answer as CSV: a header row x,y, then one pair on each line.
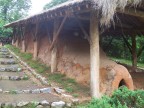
x,y
121,98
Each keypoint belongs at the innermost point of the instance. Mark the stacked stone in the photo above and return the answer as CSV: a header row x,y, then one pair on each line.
x,y
14,78
41,104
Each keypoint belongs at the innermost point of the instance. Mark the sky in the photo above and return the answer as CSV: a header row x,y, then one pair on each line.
x,y
37,6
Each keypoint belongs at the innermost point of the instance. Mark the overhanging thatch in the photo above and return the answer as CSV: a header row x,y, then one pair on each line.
x,y
106,10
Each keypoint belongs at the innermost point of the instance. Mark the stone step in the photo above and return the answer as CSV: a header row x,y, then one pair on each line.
x,y
36,104
37,100
22,73
6,56
28,91
7,62
14,78
7,85
2,49
4,53
10,68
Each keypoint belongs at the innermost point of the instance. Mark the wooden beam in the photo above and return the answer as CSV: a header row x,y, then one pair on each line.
x,y
80,17
94,55
54,52
58,32
82,29
132,12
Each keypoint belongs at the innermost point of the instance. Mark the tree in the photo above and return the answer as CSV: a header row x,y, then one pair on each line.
x,y
54,3
12,10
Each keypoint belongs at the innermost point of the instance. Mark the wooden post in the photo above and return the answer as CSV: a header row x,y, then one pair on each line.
x,y
134,54
17,42
54,50
12,41
35,49
36,37
94,55
23,46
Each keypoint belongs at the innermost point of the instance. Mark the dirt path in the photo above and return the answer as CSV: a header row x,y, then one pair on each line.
x,y
19,88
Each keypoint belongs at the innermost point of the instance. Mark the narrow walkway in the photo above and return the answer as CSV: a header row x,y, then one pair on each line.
x,y
19,88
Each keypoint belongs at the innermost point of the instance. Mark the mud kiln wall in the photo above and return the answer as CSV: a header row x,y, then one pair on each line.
x,y
74,61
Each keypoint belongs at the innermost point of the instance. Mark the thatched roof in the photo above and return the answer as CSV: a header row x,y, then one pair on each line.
x,y
106,10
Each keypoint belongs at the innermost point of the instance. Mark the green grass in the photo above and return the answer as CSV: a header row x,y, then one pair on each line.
x,y
27,57
25,77
68,84
13,92
75,95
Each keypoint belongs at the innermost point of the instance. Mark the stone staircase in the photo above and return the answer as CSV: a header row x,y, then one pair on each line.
x,y
19,88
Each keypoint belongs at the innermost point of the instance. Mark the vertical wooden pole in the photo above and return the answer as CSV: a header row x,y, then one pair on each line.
x,y
94,55
13,41
17,42
23,46
35,49
134,54
54,50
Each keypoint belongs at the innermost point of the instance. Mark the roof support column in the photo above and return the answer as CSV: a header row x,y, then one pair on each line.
x,y
17,41
54,52
12,41
35,49
94,55
23,46
22,29
36,42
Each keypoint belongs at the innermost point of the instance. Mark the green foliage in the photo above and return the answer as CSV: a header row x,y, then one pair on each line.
x,y
11,10
118,48
53,3
121,98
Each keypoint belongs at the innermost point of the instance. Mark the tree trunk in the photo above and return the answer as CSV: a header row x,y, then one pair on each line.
x,y
94,55
35,49
134,54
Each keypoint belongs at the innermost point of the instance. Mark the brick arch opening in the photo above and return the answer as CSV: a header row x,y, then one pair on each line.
x,y
122,83
122,77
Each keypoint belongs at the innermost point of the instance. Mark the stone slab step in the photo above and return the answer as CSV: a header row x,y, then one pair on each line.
x,y
28,91
10,68
14,78
7,62
27,97
6,56
18,85
22,73
4,53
